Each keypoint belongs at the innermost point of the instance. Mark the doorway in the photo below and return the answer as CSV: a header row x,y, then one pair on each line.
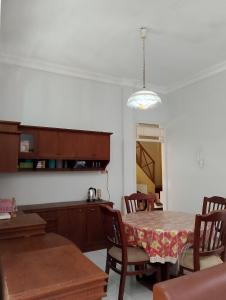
x,y
149,160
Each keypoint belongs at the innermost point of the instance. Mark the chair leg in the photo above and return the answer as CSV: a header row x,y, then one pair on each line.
x,y
122,282
107,269
107,266
181,271
139,276
158,274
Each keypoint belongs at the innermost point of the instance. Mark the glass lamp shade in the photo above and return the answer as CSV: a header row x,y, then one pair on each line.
x,y
143,99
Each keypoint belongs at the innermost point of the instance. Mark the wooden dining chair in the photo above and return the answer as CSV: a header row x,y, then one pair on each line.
x,y
119,255
213,203
139,202
209,242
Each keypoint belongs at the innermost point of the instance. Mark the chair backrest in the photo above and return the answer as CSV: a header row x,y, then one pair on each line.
x,y
209,235
213,203
139,201
114,229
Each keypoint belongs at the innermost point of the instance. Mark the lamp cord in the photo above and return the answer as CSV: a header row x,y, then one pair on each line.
x,y
109,197
143,38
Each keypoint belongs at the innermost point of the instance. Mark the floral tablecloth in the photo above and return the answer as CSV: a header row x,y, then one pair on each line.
x,y
162,234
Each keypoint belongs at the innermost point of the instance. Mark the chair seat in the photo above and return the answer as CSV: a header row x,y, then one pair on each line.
x,y
134,254
186,260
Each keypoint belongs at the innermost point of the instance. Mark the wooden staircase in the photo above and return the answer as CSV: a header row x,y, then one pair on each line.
x,y
145,162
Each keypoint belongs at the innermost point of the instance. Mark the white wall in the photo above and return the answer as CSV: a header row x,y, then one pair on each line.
x,y
196,143
36,97
41,98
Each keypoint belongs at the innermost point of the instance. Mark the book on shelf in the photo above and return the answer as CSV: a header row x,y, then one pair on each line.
x,y
24,146
41,164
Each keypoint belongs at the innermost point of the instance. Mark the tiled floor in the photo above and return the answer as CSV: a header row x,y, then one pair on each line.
x,y
133,290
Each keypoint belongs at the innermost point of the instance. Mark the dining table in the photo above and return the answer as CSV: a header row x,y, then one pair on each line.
x,y
162,234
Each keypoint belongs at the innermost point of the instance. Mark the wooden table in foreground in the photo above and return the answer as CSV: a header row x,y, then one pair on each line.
x,y
48,267
22,226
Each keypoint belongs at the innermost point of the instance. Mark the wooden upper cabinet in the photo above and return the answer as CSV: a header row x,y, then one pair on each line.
x,y
25,147
9,146
48,143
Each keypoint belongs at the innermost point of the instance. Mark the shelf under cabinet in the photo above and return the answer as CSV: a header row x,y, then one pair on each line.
x,y
58,170
50,165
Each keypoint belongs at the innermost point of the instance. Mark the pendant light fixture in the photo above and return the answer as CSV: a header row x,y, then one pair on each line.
x,y
143,99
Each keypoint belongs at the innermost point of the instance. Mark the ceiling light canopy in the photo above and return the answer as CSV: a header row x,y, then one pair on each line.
x,y
143,99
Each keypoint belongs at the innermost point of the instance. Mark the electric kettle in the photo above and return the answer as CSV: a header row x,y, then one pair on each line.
x,y
91,194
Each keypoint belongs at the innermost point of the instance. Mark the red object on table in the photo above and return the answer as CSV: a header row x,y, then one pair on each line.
x,y
162,234
7,205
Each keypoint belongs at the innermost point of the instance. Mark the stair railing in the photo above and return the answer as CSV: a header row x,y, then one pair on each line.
x,y
145,162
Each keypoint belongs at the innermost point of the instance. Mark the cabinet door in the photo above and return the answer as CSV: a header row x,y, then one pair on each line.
x,y
72,225
28,143
67,145
47,143
92,146
9,148
95,231
82,145
100,147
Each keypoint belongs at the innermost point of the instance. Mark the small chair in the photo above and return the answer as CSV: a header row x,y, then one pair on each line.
x,y
213,203
139,202
119,254
209,242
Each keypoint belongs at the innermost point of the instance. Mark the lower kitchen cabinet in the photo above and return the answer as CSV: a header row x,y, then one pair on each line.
x,y
95,231
79,221
71,223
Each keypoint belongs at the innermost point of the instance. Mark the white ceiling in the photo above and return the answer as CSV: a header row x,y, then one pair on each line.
x,y
101,36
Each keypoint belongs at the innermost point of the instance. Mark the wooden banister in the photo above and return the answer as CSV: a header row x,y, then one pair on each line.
x,y
145,162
